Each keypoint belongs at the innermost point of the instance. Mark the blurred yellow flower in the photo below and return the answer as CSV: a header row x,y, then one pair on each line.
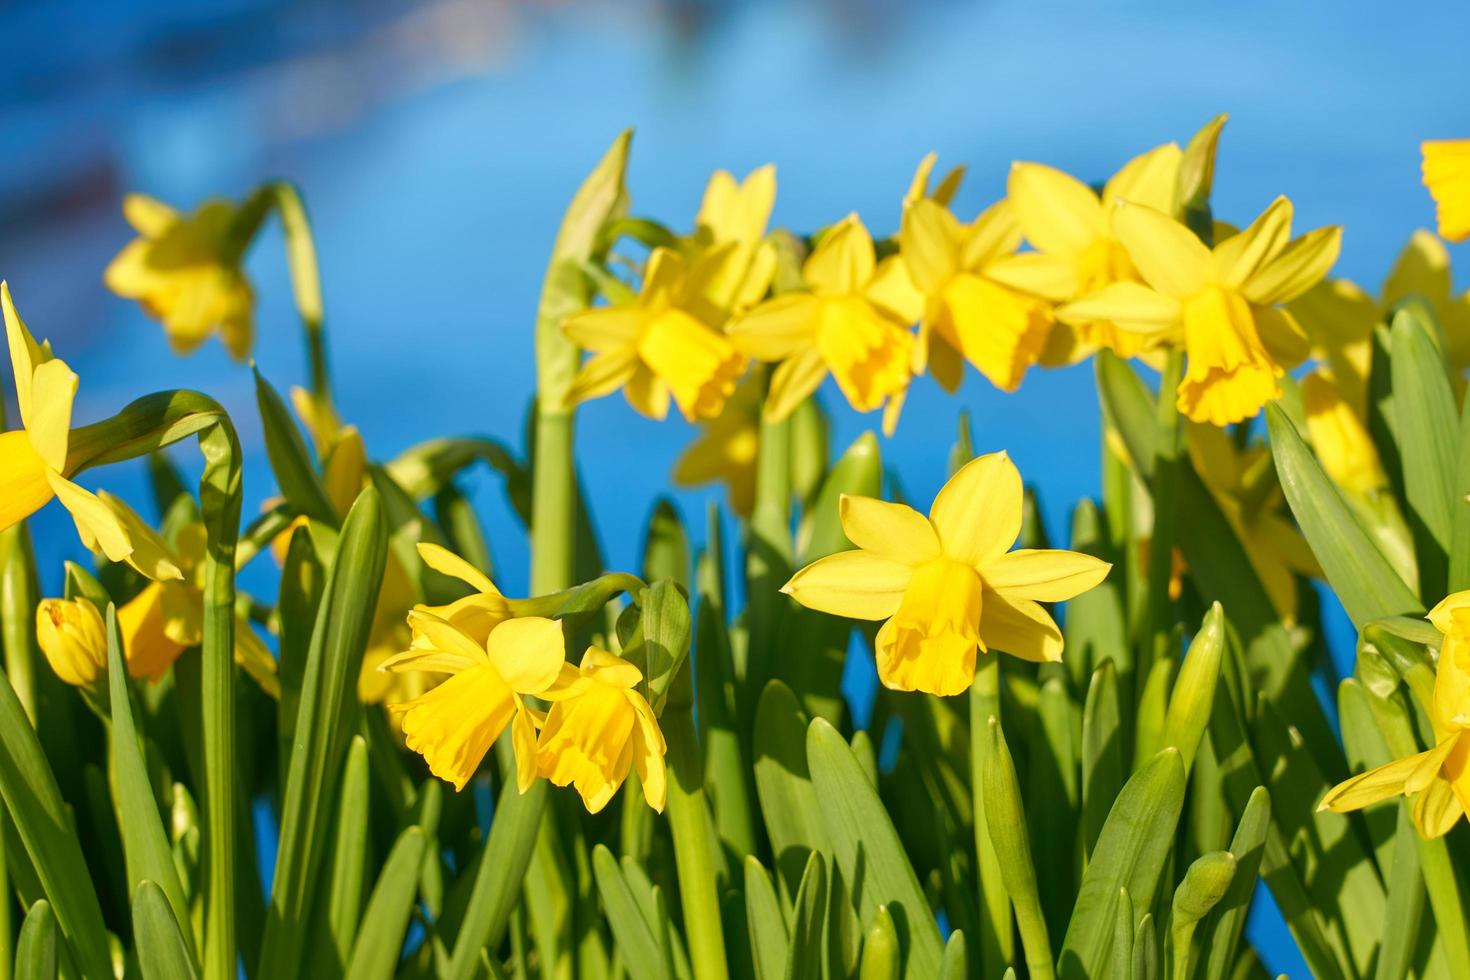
x,y
726,448
33,458
842,325
665,343
729,238
184,270
1341,440
968,309
1439,778
598,730
1077,252
1219,304
454,724
948,584
74,639
1447,175
943,192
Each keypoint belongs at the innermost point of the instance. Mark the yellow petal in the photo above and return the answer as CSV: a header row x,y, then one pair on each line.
x,y
1057,212
528,652
1447,175
738,212
1019,627
1197,168
647,393
1238,257
1429,765
1436,810
150,555
792,383
444,636
843,262
149,216
978,512
602,375
609,668
1167,254
49,425
928,242
1443,612
868,354
1150,178
606,328
1052,277
98,527
892,289
523,742
992,236
1369,787
74,639
648,753
1131,305
143,625
446,562
1281,335
25,354
1298,267
896,532
345,469
1043,575
1000,331
930,643
1422,268
778,328
24,488
454,724
853,584
698,364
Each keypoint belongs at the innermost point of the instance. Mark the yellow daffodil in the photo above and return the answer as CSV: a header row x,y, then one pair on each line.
x,y
74,639
730,231
600,729
1341,440
727,447
1439,778
1243,483
1339,316
942,193
1219,304
184,270
947,585
33,458
454,724
1447,175
841,325
968,312
1077,252
667,343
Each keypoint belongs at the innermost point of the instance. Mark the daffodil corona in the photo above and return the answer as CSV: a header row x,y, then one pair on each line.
x,y
948,585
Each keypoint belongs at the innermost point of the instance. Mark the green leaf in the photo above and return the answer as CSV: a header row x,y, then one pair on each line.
x,y
1426,425
1194,690
146,846
1459,570
35,952
163,953
808,934
1103,770
880,959
339,907
640,950
1006,819
385,921
666,546
289,458
425,469
1362,577
302,580
1221,936
659,646
767,927
1130,854
1094,630
789,803
323,727
866,848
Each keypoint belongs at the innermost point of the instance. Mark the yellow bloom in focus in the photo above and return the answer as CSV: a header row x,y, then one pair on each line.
x,y
727,447
665,344
1243,483
729,238
842,325
453,725
948,584
1219,304
968,309
1439,778
1447,175
1341,440
33,458
73,637
1077,252
599,730
184,270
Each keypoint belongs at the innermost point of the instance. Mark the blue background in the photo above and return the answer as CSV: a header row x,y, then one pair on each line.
x,y
437,143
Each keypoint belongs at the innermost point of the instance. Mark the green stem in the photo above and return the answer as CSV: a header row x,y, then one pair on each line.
x,y
17,613
769,549
1168,454
554,501
689,822
997,938
306,283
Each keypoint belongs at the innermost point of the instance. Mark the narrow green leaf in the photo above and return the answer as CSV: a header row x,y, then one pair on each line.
x,y
808,934
659,645
956,962
289,458
385,920
666,546
1006,819
1123,937
635,941
1221,934
1194,690
35,951
1103,770
1459,570
163,953
1405,900
1152,712
1426,425
789,803
768,942
339,907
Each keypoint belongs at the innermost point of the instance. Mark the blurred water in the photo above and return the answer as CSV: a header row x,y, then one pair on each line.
x,y
437,144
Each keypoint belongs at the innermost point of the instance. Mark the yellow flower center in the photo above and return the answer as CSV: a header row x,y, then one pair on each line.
x,y
930,643
1000,332
867,353
23,485
589,744
699,365
1230,374
1102,263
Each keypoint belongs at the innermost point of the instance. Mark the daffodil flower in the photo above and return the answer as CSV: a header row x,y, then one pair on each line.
x,y
601,728
1341,440
1077,252
33,458
730,231
1447,175
841,325
947,585
967,311
184,270
666,343
454,724
1219,304
1438,779
74,639
727,447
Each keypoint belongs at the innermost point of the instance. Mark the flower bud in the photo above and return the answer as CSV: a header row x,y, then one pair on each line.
x,y
73,638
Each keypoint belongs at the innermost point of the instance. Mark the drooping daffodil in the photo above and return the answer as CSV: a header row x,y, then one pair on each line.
x,y
1219,305
947,585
